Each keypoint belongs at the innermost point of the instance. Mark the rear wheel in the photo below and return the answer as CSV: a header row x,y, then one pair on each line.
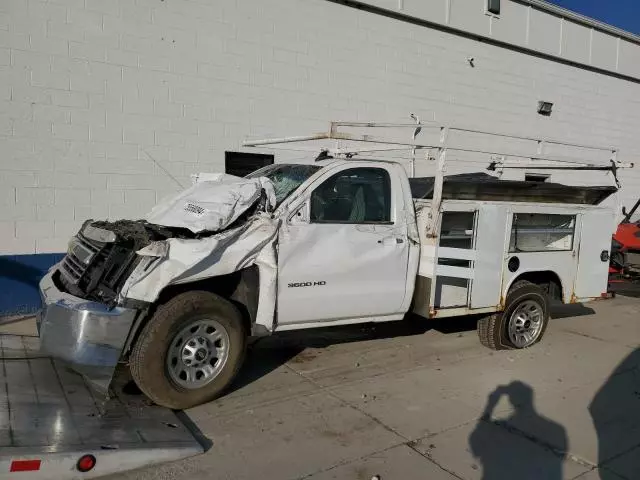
x,y
189,351
521,324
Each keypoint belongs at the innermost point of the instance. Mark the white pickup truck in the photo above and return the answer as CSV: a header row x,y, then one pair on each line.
x,y
339,241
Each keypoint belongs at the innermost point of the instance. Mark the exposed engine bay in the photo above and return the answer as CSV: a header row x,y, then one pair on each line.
x,y
103,254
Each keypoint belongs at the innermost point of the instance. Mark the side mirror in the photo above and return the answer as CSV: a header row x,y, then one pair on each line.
x,y
301,215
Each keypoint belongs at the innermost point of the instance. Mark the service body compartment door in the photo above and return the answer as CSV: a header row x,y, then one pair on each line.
x,y
467,260
490,238
596,229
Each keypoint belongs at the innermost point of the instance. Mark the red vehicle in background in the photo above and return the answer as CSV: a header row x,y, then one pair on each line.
x,y
625,248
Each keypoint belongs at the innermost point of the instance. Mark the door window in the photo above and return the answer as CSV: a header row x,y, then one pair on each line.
x,y
541,232
456,231
286,178
357,195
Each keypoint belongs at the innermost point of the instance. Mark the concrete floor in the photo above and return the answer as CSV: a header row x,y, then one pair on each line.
x,y
426,401
405,401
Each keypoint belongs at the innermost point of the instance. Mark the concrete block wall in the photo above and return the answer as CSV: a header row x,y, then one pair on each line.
x,y
535,25
99,99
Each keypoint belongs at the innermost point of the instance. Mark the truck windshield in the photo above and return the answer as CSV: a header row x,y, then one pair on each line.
x,y
285,177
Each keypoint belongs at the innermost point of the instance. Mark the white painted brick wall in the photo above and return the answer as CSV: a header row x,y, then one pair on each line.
x,y
29,229
71,197
65,229
93,93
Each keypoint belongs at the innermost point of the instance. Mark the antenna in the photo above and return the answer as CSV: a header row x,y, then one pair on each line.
x,y
413,150
163,169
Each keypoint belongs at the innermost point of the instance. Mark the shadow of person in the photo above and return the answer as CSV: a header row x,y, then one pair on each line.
x,y
507,453
615,411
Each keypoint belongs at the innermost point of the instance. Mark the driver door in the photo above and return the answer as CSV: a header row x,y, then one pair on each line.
x,y
343,253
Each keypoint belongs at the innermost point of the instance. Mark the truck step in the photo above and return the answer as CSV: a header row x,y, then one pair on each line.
x,y
53,427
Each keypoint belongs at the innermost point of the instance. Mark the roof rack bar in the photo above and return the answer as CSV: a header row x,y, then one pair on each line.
x,y
334,134
550,158
430,124
608,168
275,141
535,139
382,125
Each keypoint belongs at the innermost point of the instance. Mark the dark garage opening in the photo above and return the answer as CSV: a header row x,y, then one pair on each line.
x,y
241,164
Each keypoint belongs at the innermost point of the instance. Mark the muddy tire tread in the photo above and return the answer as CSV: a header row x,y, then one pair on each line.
x,y
490,328
147,359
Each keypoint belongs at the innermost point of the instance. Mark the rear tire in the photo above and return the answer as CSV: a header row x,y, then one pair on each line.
x,y
522,323
189,351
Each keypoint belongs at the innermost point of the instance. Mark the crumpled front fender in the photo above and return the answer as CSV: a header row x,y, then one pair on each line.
x,y
175,260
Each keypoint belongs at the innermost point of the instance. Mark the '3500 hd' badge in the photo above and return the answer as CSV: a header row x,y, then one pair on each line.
x,y
318,283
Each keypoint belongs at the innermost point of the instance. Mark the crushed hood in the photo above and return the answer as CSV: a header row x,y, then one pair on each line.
x,y
213,203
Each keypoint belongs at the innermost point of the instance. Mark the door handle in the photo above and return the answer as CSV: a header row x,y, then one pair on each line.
x,y
391,241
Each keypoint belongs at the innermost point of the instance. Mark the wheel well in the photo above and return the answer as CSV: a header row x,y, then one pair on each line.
x,y
546,279
241,288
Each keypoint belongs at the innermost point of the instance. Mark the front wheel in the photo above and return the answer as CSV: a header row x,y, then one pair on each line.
x,y
189,351
521,324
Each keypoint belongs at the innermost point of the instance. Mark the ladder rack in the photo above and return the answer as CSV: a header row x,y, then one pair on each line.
x,y
438,149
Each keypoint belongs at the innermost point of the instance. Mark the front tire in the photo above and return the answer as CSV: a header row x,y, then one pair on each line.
x,y
189,351
522,323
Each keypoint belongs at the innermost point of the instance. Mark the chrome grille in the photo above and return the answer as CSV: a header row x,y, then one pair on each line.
x,y
73,271
72,267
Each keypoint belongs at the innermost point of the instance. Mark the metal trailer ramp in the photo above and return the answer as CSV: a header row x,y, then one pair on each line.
x,y
49,420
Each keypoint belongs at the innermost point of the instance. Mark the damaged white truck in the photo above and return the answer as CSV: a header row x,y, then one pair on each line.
x,y
178,295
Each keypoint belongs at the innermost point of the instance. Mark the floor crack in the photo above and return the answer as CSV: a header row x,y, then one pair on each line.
x,y
541,443
405,440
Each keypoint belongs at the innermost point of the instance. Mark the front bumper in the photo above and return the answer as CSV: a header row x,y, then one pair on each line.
x,y
87,335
